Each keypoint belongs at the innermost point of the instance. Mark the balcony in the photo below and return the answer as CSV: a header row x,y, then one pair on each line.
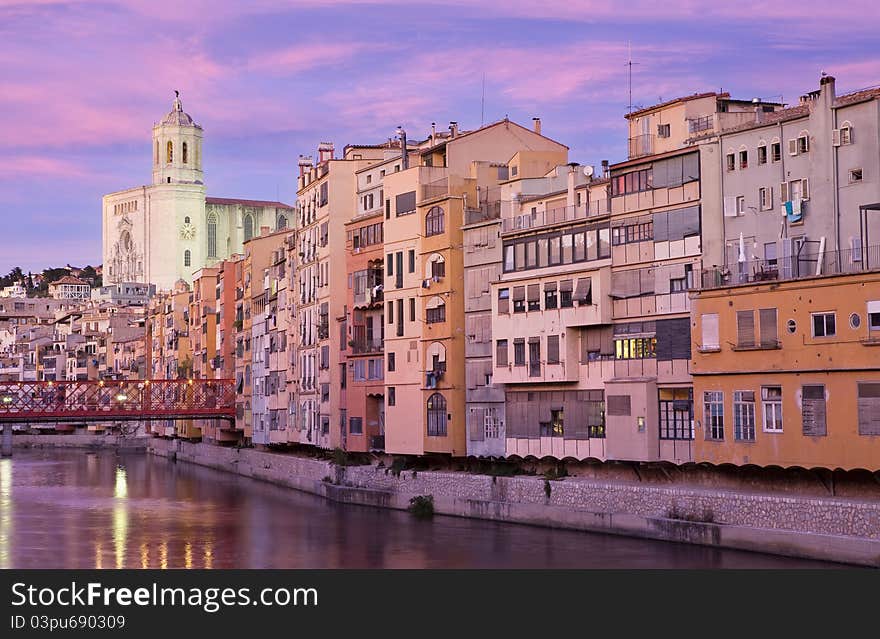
x,y
481,213
641,145
360,346
550,217
808,263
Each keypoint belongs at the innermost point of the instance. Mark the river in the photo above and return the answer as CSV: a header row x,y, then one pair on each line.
x,y
78,509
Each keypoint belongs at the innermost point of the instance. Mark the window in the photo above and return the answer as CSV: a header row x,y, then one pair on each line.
x,y
556,426
187,258
770,255
389,265
745,329
855,175
731,161
437,415
434,221
503,300
392,396
874,316
170,152
553,349
412,309
846,134
391,362
776,151
551,297
709,324
212,235
765,197
436,314
823,324
534,356
762,154
405,203
713,414
519,352
438,268
391,312
869,408
771,407
663,130
248,227
676,413
744,416
534,297
633,182
519,299
740,205
566,297
411,258
803,143
635,348
501,352
743,159
185,155
813,410
491,423
769,335
356,425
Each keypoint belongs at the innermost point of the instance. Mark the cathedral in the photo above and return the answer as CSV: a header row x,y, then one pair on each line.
x,y
165,232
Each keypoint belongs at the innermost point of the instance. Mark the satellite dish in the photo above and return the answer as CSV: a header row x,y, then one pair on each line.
x,y
589,170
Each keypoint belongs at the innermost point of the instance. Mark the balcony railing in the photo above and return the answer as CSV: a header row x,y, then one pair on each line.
x,y
366,346
437,188
641,145
484,211
551,216
808,263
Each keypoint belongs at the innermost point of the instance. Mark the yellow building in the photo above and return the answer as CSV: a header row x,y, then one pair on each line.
x,y
785,372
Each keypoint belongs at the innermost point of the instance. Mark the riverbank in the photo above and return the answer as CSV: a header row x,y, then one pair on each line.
x,y
808,526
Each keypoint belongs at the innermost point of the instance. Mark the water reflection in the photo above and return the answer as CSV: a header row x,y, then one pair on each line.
x,y
69,510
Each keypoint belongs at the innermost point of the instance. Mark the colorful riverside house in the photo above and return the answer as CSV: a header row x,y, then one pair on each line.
x,y
325,202
551,313
786,371
426,206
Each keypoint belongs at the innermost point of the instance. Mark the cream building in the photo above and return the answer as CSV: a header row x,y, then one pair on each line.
x,y
166,231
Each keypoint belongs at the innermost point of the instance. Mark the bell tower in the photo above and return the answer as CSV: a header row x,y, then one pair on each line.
x,y
177,148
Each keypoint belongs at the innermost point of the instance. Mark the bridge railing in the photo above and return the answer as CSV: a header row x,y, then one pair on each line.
x,y
117,399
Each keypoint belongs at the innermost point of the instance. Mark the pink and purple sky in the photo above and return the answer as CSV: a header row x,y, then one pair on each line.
x,y
83,82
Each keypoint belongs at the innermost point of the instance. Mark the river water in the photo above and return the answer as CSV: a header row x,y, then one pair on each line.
x,y
77,509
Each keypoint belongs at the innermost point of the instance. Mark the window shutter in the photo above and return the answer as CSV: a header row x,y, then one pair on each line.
x,y
835,137
709,323
729,206
745,328
805,190
534,292
504,303
813,410
519,293
565,286
769,335
792,147
673,339
783,192
869,408
553,349
619,405
582,292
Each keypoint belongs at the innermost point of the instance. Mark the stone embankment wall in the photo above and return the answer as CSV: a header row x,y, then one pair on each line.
x,y
807,525
831,528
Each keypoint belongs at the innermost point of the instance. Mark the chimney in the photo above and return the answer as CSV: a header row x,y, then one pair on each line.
x,y
325,152
572,175
305,164
433,133
404,152
536,122
826,88
453,128
758,109
605,172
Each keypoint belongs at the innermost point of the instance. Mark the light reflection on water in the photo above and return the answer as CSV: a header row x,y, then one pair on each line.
x,y
67,509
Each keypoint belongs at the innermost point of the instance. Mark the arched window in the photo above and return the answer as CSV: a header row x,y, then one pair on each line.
x,y
185,154
186,220
282,222
170,153
156,161
187,258
434,221
248,227
435,311
437,415
212,234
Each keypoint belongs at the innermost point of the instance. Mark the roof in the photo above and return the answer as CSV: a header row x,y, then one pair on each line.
x,y
69,279
857,96
686,98
783,115
227,200
177,116
484,128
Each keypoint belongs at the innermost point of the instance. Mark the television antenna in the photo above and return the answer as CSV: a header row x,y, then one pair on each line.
x,y
629,65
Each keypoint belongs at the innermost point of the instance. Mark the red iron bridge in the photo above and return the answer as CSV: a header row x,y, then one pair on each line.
x,y
115,400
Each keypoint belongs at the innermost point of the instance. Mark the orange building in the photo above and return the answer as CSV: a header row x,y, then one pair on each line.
x,y
785,372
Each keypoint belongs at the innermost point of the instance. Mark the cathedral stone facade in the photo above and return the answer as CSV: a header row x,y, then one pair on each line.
x,y
165,232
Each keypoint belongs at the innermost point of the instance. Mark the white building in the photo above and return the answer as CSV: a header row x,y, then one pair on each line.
x,y
70,288
16,290
165,232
